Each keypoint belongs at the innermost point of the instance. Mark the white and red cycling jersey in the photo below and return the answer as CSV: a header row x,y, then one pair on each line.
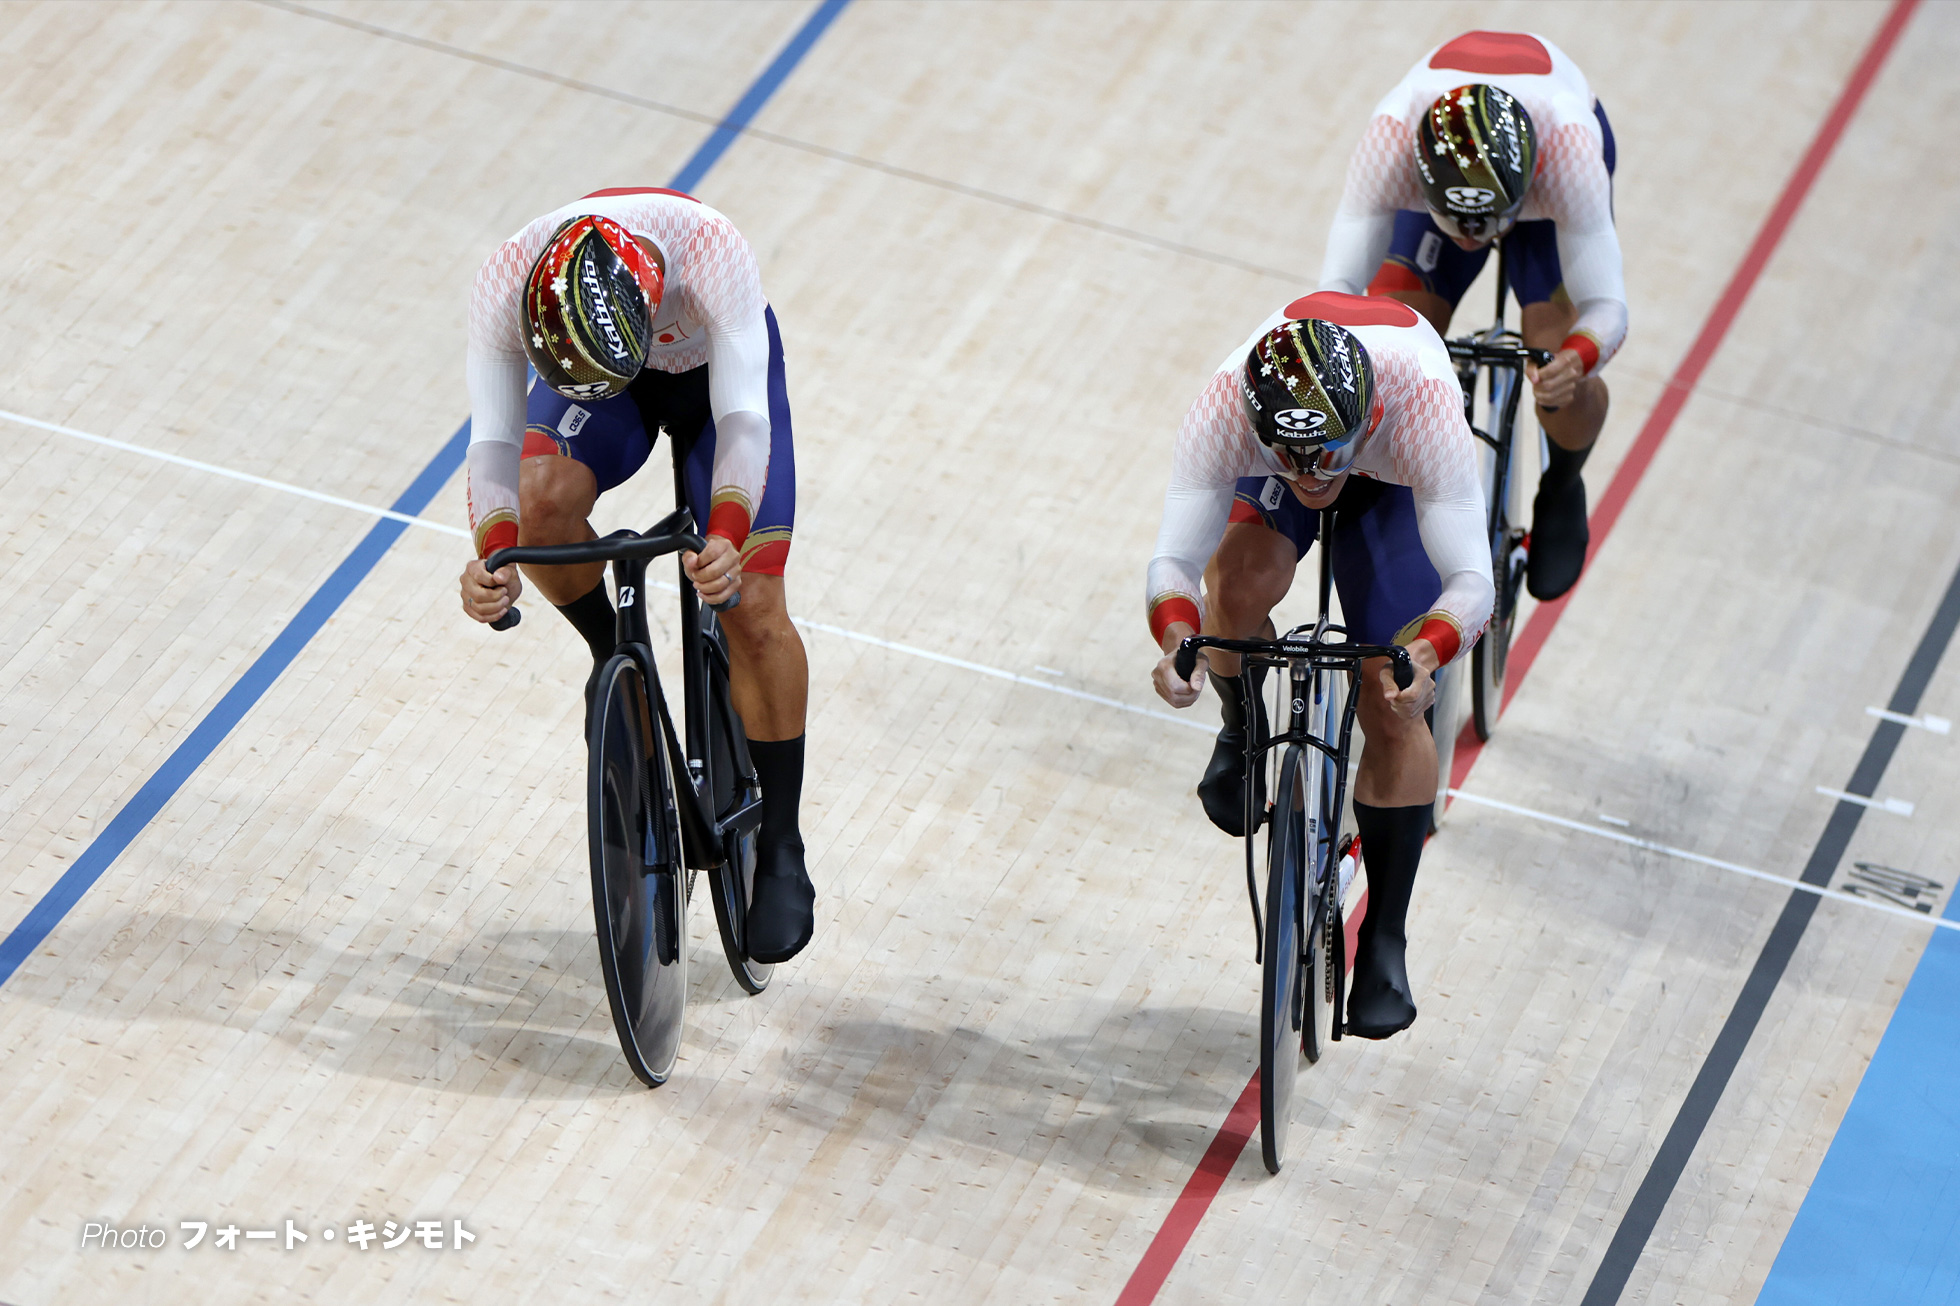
x,y
1570,186
712,313
1422,442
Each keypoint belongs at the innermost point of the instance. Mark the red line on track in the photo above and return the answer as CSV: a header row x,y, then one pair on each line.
x,y
1161,1256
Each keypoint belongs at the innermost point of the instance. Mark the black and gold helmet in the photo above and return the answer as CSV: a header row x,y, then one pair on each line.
x,y
1475,154
1310,387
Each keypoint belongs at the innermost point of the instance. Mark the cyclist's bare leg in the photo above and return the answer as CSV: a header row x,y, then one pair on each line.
x,y
769,676
555,495
769,673
1394,789
1244,581
1398,767
1559,534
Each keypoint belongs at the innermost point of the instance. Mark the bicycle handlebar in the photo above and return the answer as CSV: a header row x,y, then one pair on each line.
x,y
1187,653
1476,351
673,533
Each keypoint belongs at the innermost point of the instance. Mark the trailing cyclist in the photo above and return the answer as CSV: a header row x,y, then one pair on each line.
x,y
1344,405
642,310
1496,135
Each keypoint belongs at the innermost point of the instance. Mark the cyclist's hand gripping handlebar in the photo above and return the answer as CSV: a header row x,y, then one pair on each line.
x,y
1187,660
620,544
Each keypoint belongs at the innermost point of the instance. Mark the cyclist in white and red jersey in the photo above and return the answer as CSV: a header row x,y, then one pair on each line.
x,y
1489,134
643,310
1345,404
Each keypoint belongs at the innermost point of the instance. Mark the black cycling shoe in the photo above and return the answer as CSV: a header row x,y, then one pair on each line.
x,y
782,904
1222,791
592,695
1559,535
1379,1002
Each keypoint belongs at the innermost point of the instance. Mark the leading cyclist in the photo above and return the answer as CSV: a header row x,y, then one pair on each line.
x,y
643,309
1495,133
1344,404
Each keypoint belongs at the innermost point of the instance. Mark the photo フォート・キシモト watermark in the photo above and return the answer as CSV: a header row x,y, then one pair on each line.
x,y
431,1235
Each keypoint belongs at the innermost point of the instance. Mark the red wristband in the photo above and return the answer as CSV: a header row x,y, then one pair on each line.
x,y
501,535
730,520
1585,347
1170,610
1442,637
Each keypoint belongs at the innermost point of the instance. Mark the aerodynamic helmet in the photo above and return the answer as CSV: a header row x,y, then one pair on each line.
x,y
1475,153
1310,387
589,305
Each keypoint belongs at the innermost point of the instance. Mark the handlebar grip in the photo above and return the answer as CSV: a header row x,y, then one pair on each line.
x,y
1404,673
723,607
508,620
1187,660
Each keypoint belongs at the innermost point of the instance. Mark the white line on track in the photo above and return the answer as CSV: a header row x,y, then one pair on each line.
x,y
839,631
1939,725
1754,874
304,493
1018,679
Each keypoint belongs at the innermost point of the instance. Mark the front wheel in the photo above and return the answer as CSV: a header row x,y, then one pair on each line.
x,y
639,898
1283,990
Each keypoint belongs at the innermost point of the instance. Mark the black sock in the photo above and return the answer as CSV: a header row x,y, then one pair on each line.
x,y
1391,849
779,766
592,617
1233,692
1562,465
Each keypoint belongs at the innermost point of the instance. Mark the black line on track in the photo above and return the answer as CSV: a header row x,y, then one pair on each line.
x,y
1664,1171
794,143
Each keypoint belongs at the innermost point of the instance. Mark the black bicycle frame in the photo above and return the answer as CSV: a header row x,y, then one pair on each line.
x,y
1299,656
703,836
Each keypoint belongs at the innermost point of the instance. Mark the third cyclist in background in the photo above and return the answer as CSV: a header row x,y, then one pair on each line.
x,y
1496,135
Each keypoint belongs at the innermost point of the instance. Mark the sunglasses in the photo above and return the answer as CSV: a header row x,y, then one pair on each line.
x,y
1323,463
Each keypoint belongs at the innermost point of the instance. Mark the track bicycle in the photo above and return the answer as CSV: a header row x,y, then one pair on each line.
x,y
1302,943
649,835
1499,354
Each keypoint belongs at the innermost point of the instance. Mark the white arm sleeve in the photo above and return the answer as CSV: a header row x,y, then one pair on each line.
x,y
1380,182
1596,285
1215,446
1356,245
1194,522
495,372
726,288
1452,531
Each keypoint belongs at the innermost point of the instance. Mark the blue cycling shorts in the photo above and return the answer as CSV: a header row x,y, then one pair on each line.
x,y
1421,257
614,437
1381,570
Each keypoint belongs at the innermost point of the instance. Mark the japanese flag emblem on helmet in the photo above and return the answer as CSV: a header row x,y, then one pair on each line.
x,y
589,305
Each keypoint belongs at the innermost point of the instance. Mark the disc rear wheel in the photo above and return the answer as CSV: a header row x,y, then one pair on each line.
x,y
1488,657
732,788
639,900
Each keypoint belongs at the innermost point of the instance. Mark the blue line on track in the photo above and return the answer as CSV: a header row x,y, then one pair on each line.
x,y
205,737
758,95
1881,1222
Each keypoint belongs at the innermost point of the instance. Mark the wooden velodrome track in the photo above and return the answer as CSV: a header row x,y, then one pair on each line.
x,y
345,972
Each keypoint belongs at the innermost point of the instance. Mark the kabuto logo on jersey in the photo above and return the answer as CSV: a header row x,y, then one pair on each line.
x,y
588,306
